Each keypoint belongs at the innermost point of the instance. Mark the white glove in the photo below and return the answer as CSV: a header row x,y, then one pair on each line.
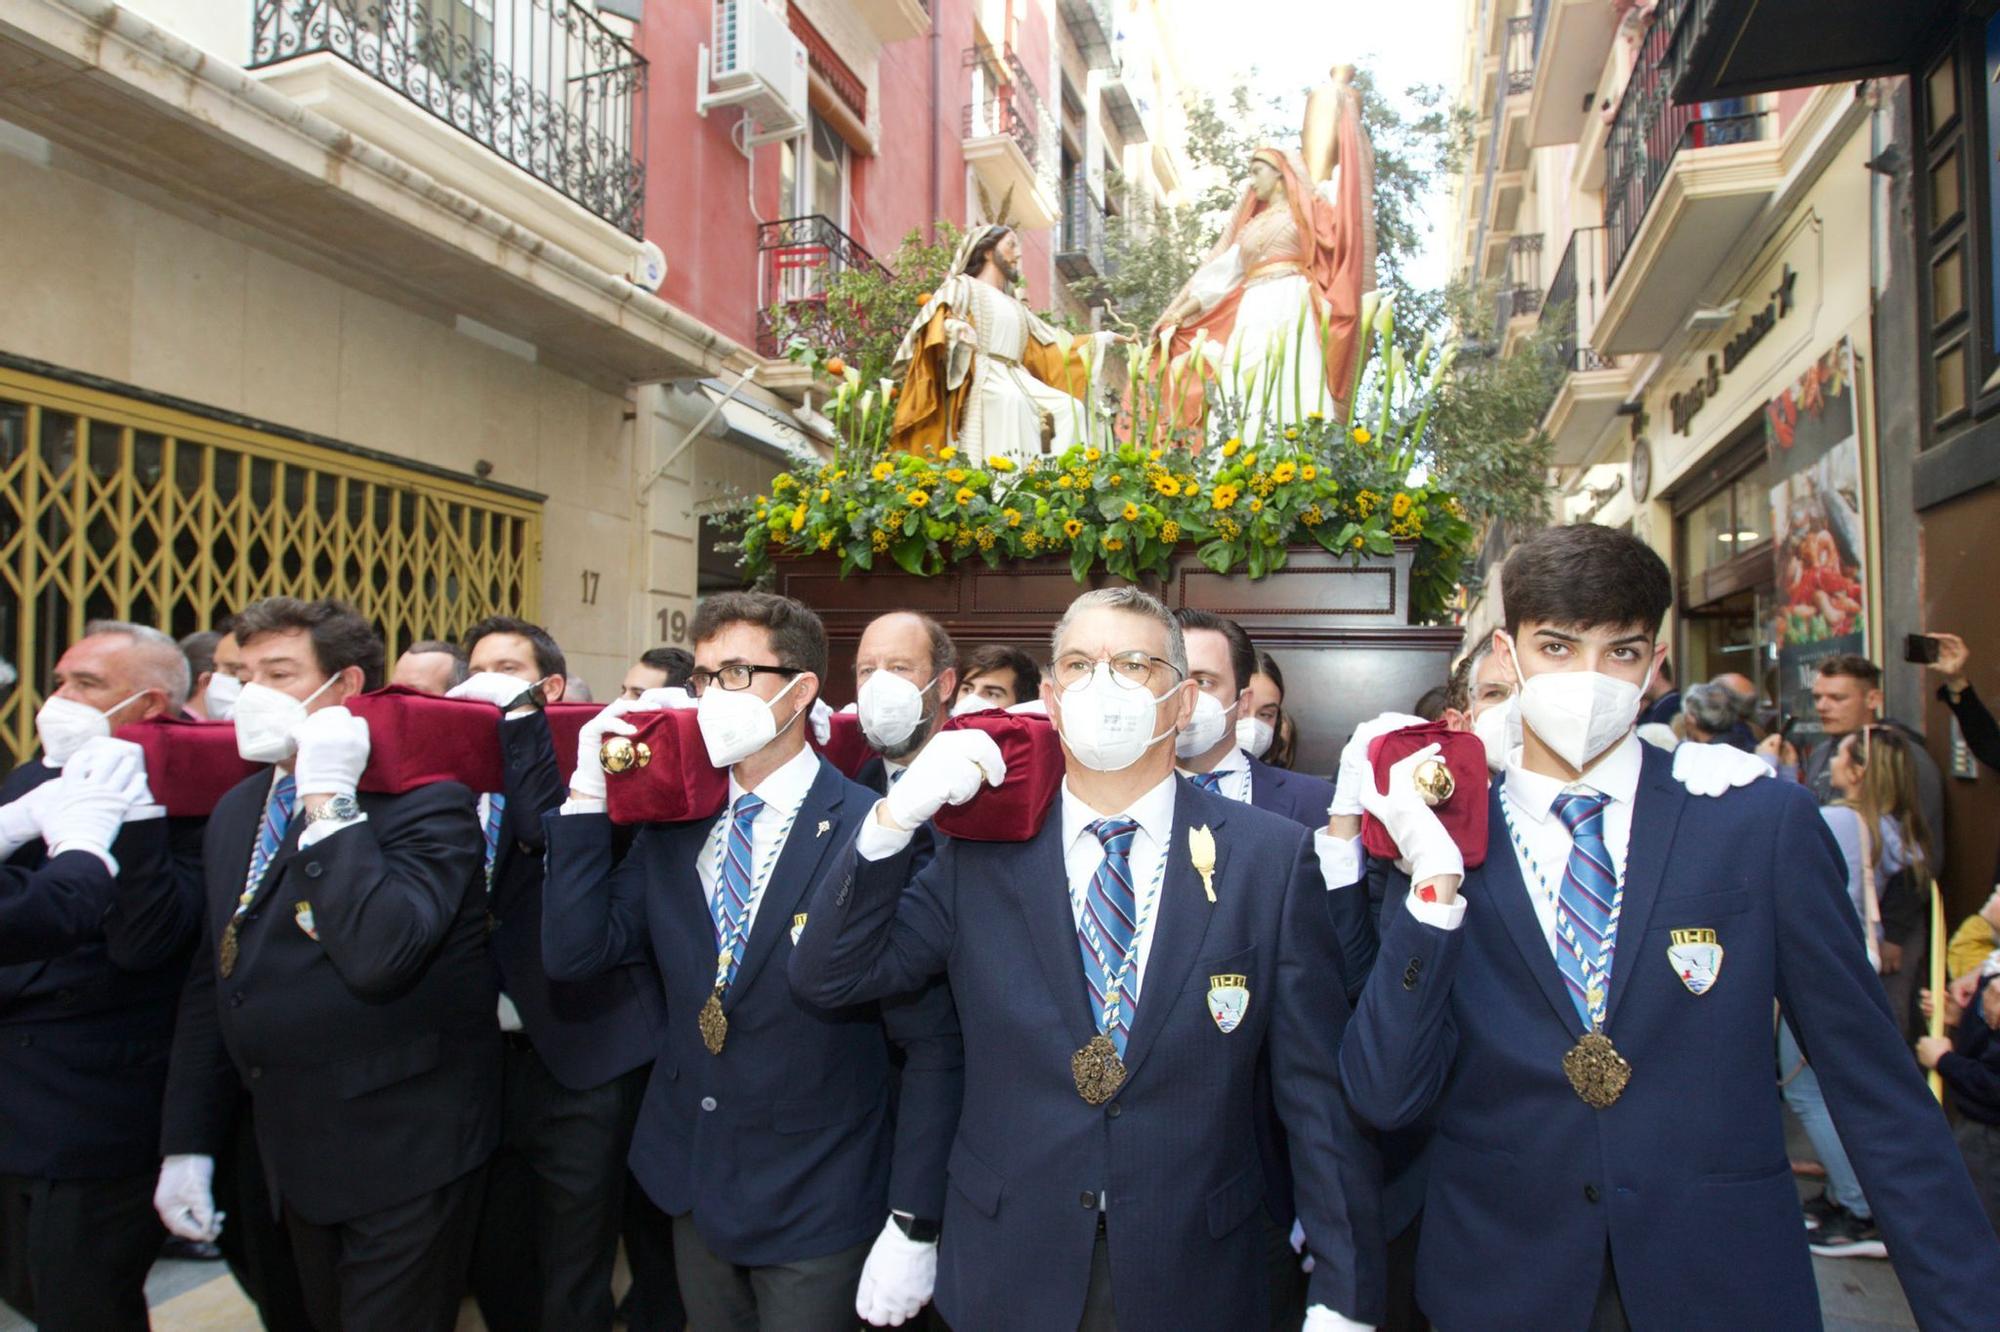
x,y
1319,1318
185,1198
1356,773
671,699
897,1279
822,721
1425,849
333,750
502,691
1299,1247
100,785
947,771
21,820
587,782
1710,770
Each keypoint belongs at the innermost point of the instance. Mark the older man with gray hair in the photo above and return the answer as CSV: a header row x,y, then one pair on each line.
x,y
95,930
1713,714
1105,1172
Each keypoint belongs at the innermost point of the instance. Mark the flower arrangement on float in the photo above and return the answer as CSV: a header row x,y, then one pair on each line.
x,y
1243,490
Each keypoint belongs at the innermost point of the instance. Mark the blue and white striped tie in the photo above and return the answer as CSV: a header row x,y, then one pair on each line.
x,y
1585,915
733,888
1110,920
271,832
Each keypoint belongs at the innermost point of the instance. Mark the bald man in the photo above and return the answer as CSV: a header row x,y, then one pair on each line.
x,y
905,676
430,667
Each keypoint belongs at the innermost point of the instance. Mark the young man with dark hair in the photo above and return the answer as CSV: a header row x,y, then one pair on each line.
x,y
199,649
657,668
766,1131
343,977
905,667
1586,1017
575,1054
998,676
98,908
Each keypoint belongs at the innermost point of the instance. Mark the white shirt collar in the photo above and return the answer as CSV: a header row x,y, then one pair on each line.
x,y
1234,761
784,790
1615,775
1154,811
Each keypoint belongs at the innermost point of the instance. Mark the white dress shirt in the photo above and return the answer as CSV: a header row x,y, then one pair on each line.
x,y
1234,769
782,793
1545,843
1083,853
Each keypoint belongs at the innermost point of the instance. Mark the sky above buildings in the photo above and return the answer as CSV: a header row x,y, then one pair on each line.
x,y
1290,44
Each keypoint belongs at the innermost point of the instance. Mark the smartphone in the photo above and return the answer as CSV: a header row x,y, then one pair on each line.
x,y
1785,729
1920,648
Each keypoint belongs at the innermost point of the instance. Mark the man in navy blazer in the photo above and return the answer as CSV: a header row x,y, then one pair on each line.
x,y
905,678
766,1130
575,1055
94,940
1106,1168
1588,1015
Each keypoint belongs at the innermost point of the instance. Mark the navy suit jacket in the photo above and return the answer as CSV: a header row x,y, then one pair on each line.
x,y
1300,797
1685,1178
371,1052
781,1145
1174,1152
90,972
587,1032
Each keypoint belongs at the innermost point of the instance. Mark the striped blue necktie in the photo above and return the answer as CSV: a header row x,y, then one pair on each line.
x,y
1110,918
1209,781
271,832
496,810
733,887
1584,906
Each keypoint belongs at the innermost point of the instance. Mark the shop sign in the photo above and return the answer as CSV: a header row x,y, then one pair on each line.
x,y
1684,406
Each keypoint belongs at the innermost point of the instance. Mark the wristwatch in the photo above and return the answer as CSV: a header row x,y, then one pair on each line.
x,y
338,809
915,1229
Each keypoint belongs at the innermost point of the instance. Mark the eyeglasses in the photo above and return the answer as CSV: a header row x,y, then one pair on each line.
x,y
1133,669
734,677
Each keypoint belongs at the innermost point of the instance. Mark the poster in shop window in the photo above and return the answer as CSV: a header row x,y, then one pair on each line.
x,y
1816,519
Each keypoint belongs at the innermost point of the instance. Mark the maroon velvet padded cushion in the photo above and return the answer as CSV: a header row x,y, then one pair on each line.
x,y
846,748
190,765
1012,811
678,782
565,724
415,739
1464,815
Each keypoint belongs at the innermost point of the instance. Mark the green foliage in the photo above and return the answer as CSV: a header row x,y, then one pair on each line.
x,y
866,311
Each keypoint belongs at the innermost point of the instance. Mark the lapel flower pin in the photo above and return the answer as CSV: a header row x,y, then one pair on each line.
x,y
1201,850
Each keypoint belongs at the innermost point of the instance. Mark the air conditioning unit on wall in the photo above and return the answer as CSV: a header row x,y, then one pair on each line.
x,y
758,65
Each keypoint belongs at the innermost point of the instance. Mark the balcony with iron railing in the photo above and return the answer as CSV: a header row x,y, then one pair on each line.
x,y
1520,293
1571,43
541,83
1520,55
1080,243
798,259
1009,136
1589,387
1092,28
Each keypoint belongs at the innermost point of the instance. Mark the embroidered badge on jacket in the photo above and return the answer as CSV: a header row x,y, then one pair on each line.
x,y
1696,958
302,915
798,927
1228,1000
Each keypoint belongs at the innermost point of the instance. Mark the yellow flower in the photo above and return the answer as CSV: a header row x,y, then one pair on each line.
x,y
1315,416
1308,472
1092,455
761,501
964,496
1291,432
1190,488
1113,543
1000,464
1116,479
1154,455
955,475
840,474
1072,529
1170,532
1131,513
1400,506
1229,447
1256,506
1357,543
1167,486
798,517
1361,435
825,495
1283,473
916,499
1312,517
1065,481
883,470
1013,517
826,538
947,453
1223,496
781,483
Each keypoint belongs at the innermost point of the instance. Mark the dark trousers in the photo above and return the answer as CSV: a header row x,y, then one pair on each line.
x,y
402,1267
555,1197
812,1295
1404,1315
74,1253
1098,1315
653,1303
1286,1275
1609,1316
1979,1144
254,1240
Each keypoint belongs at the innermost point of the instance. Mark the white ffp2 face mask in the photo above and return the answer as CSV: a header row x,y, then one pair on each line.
x,y
1577,714
1205,728
1499,730
891,709
736,723
973,703
64,725
268,720
1107,725
1254,736
220,698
